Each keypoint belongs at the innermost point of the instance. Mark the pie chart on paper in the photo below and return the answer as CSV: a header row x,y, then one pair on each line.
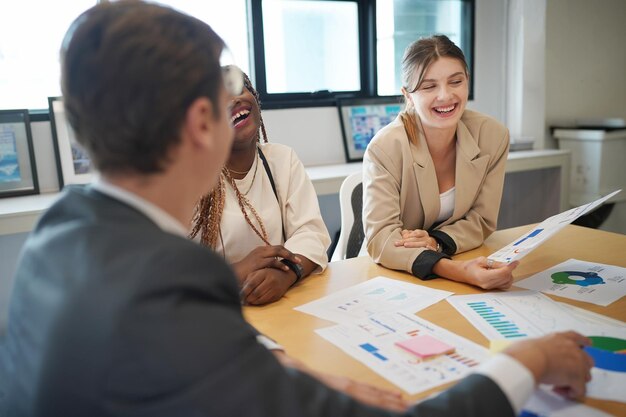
x,y
608,353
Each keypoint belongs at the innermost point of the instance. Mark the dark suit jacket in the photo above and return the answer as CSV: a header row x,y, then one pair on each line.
x,y
111,316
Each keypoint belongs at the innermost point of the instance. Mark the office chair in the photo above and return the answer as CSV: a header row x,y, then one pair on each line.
x,y
351,235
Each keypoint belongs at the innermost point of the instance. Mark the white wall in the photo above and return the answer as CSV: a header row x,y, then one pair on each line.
x,y
585,59
525,72
586,69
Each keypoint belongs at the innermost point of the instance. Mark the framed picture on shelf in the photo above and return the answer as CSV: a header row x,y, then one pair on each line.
x,y
73,163
18,173
362,118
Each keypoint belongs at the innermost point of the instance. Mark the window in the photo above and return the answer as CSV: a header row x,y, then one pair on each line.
x,y
297,52
311,46
400,22
32,31
231,23
30,40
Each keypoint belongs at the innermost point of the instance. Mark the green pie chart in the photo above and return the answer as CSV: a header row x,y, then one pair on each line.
x,y
608,353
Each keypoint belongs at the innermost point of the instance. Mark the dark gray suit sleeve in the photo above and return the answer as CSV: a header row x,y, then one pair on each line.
x,y
181,347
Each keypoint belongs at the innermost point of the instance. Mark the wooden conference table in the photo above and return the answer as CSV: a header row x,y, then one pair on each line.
x,y
295,330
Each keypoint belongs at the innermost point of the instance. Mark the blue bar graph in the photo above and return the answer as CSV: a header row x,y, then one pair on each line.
x,y
533,234
373,350
496,319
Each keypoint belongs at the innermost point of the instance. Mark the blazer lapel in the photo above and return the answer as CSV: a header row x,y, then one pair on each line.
x,y
470,172
426,177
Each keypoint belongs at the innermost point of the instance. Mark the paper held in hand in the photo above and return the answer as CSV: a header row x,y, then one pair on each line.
x,y
528,242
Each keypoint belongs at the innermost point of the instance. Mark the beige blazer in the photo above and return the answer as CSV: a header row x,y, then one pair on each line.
x,y
400,188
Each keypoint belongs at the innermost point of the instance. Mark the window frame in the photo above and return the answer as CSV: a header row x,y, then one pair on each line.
x,y
367,60
318,98
366,10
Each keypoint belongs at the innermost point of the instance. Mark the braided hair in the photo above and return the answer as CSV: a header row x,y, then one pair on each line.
x,y
208,211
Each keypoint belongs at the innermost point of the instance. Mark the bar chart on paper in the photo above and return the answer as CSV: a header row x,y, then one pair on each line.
x,y
497,320
377,340
513,315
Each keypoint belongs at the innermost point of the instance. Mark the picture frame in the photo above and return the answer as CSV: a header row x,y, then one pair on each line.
x,y
362,118
73,163
18,170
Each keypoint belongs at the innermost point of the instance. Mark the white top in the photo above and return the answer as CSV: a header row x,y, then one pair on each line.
x,y
446,204
297,208
164,221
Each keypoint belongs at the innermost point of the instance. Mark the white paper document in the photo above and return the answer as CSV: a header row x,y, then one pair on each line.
x,y
545,403
579,280
372,341
373,296
526,243
608,378
607,385
520,314
513,315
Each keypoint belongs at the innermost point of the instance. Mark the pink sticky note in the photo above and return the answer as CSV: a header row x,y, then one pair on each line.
x,y
425,346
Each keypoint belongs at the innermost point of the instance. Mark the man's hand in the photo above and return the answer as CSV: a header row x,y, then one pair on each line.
x,y
263,257
365,393
557,359
267,285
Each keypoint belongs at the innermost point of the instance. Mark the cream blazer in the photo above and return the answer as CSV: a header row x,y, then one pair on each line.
x,y
400,188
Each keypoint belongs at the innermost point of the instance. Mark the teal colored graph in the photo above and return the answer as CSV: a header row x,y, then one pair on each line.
x,y
400,297
377,291
507,329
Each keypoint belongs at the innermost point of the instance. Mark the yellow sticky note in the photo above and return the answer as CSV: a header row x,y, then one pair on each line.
x,y
497,346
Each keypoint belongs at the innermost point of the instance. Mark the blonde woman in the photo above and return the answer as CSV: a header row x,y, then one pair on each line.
x,y
432,179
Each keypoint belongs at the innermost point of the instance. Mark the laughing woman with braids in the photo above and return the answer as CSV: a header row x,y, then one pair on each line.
x,y
264,209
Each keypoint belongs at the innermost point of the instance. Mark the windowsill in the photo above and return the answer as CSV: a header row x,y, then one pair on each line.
x,y
19,214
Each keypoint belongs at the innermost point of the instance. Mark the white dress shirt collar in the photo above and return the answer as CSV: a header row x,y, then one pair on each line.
x,y
160,217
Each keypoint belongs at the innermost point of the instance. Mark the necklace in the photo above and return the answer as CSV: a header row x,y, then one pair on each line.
x,y
232,171
245,205
256,167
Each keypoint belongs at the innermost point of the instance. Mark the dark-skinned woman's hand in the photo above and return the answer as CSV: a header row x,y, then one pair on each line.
x,y
263,257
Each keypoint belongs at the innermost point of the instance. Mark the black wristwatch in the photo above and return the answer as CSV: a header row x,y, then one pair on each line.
x,y
296,268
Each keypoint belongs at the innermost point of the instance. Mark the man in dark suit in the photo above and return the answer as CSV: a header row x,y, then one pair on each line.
x,y
116,313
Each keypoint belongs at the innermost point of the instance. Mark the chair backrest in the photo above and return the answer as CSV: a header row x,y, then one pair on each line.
x,y
351,235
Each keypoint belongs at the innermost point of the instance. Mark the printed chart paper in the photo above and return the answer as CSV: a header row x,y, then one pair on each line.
x,y
372,341
520,314
608,380
545,403
373,296
608,375
525,244
607,385
513,315
579,280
